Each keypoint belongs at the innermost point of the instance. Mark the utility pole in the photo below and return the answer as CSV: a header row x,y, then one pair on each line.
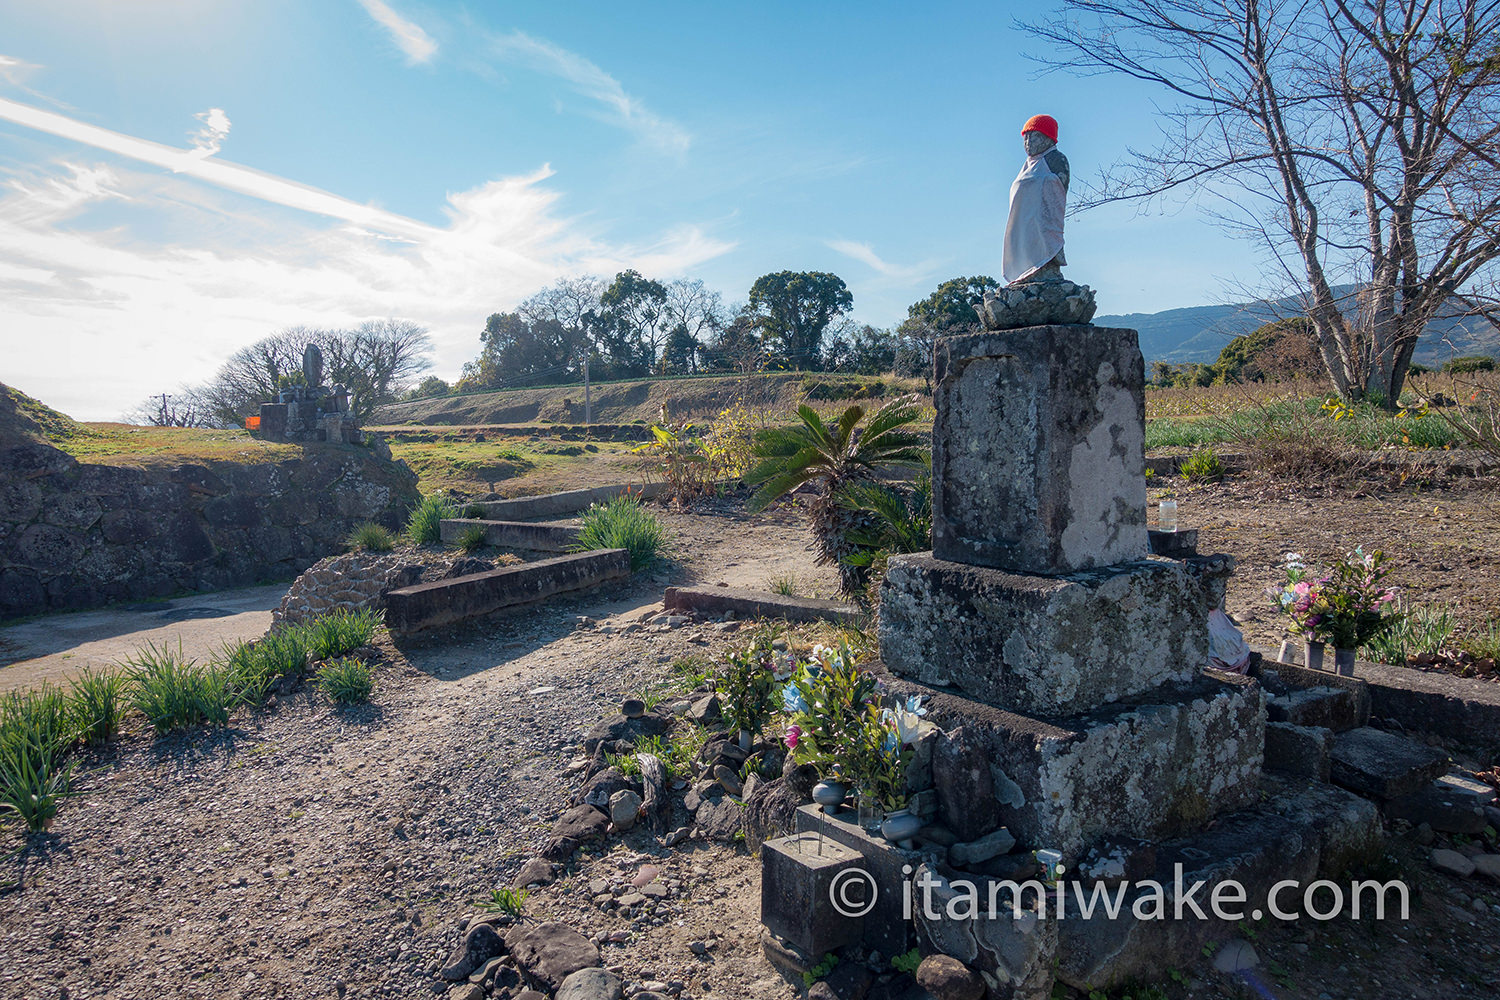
x,y
588,403
164,398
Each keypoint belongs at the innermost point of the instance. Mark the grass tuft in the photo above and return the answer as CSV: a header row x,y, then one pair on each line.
x,y
340,632
347,682
36,730
424,525
472,538
1202,464
510,901
623,524
174,692
96,701
371,537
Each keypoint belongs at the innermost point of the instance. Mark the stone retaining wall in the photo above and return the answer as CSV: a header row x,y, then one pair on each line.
x,y
78,535
358,580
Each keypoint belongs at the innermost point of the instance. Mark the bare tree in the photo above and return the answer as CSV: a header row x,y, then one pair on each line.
x,y
184,408
376,361
1357,139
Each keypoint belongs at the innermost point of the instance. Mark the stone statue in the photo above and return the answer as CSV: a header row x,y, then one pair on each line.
x,y
1036,293
312,366
1038,203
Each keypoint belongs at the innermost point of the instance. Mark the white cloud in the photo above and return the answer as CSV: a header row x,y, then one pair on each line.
x,y
408,35
123,316
209,139
865,254
15,71
593,83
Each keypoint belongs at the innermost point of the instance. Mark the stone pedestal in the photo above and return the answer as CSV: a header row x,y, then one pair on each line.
x,y
1038,460
798,873
1049,645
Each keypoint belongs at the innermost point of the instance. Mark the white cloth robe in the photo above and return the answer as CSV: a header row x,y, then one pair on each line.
x,y
1034,231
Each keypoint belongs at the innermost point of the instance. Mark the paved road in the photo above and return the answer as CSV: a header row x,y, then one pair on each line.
x,y
59,646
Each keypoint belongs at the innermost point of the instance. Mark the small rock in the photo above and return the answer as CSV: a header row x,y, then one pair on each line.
x,y
632,708
1235,956
479,946
975,851
705,709
549,953
698,948
946,978
728,779
1424,835
676,837
1488,865
537,871
590,984
1452,862
624,809
1479,906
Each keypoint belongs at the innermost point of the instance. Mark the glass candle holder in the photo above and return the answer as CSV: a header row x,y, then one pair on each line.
x,y
1166,515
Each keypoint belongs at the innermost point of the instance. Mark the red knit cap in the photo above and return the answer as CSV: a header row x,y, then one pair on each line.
x,y
1045,124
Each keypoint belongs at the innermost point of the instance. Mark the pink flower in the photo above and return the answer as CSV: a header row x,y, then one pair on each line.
x,y
793,734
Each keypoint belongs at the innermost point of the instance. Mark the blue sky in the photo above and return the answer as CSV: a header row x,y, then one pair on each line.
x,y
181,177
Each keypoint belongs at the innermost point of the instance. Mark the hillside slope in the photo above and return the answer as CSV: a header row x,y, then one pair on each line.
x,y
643,401
1199,333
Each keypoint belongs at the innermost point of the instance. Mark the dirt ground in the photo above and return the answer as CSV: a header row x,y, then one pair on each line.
x,y
329,853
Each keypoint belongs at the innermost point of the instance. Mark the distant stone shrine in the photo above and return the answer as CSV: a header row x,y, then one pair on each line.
x,y
311,411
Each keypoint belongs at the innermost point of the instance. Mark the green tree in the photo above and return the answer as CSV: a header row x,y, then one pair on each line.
x,y
520,351
834,456
429,387
950,309
794,308
631,325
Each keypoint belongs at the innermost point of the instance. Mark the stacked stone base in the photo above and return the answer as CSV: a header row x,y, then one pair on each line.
x,y
1049,645
1154,766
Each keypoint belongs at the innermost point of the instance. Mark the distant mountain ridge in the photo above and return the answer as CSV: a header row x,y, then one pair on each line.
x,y
1199,333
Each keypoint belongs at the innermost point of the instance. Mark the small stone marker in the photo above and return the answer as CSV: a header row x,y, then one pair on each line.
x,y
797,873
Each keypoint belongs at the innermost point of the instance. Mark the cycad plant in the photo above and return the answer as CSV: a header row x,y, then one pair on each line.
x,y
898,520
834,456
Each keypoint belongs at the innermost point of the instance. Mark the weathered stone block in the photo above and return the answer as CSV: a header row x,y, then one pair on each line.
x,y
514,534
1327,707
1050,645
1013,947
1152,769
1385,765
887,928
441,602
798,873
1300,750
1038,449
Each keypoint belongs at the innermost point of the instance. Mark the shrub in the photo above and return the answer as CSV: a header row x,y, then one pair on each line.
x,y
746,683
340,632
174,692
371,537
347,681
472,538
423,527
476,511
35,733
623,523
95,703
1470,365
1203,463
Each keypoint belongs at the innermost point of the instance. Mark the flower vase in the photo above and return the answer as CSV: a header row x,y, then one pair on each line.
x,y
900,825
1343,662
830,795
1312,655
870,813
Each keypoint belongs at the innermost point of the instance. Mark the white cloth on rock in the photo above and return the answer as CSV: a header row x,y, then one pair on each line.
x,y
1227,649
1034,231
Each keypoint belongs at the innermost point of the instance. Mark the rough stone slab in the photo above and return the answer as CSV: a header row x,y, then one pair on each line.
x,y
410,609
1255,849
1292,675
758,604
1158,766
1433,701
1305,751
566,502
513,534
797,874
1348,828
1015,952
1038,458
886,928
1440,807
1325,707
1384,765
1048,645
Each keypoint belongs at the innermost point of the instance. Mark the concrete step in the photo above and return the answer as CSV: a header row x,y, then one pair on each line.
x,y
1384,765
1329,707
